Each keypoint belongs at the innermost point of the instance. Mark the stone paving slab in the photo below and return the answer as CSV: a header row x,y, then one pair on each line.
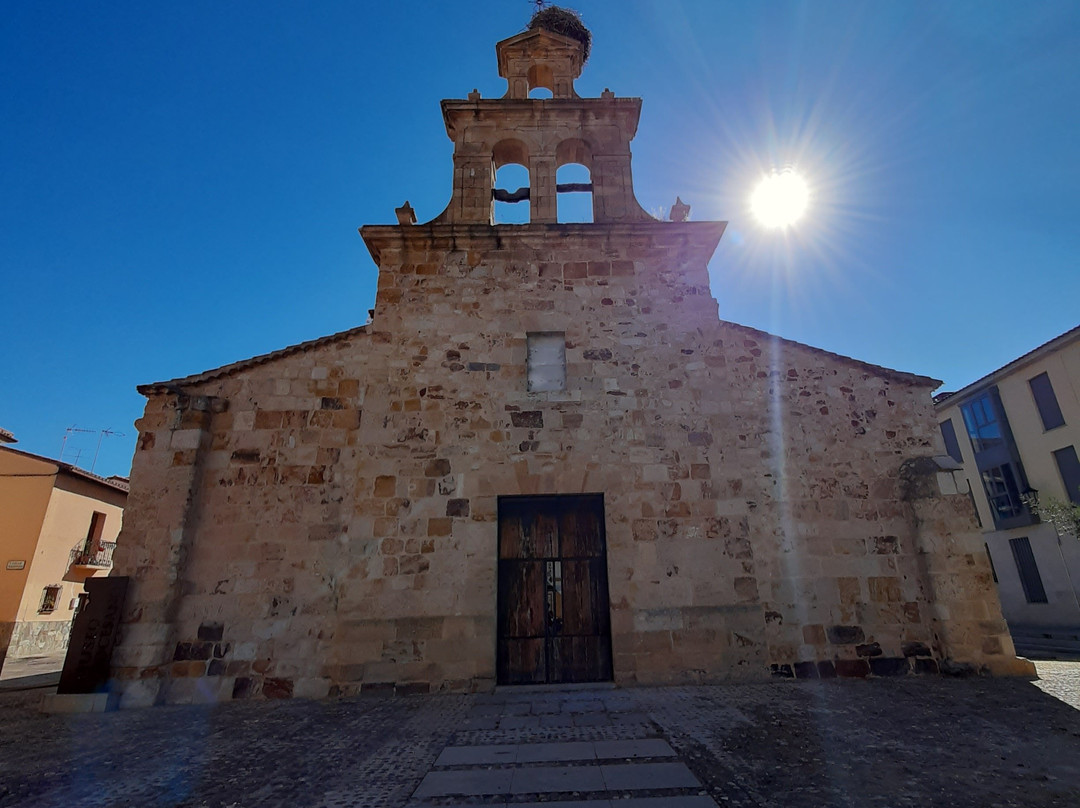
x,y
470,783
488,754
898,743
557,779
639,748
551,752
482,782
641,776
506,754
632,802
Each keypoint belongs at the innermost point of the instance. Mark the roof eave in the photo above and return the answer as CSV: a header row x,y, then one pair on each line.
x,y
1058,342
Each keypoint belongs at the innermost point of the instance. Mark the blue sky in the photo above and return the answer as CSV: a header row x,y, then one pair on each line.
x,y
181,184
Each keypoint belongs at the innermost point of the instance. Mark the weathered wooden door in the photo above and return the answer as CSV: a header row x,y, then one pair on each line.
x,y
554,622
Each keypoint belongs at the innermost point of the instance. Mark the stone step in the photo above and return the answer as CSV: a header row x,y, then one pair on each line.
x,y
695,801
540,780
553,752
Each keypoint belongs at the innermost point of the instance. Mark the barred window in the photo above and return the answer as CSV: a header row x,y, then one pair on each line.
x,y
49,599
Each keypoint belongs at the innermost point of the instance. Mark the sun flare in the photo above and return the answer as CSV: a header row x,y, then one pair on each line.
x,y
780,199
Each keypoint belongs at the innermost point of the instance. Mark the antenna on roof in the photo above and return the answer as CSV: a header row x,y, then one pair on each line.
x,y
104,432
67,434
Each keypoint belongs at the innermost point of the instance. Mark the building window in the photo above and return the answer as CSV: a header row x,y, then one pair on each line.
x,y
1069,468
952,446
983,422
48,599
997,460
547,361
1028,569
1003,492
1046,401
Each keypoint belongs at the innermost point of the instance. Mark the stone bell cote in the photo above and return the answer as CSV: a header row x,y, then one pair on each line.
x,y
541,134
540,58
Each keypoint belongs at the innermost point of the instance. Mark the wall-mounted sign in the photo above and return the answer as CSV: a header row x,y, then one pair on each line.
x,y
16,565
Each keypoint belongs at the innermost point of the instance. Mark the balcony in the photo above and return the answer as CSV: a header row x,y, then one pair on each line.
x,y
99,557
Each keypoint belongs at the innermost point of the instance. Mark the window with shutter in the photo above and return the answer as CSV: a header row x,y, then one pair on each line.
x,y
1046,402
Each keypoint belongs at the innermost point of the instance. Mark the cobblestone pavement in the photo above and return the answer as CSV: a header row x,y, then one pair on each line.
x,y
925,742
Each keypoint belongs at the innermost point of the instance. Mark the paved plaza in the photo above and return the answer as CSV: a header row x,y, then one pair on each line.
x,y
893,742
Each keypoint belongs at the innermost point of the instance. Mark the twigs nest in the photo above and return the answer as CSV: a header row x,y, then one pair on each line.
x,y
566,22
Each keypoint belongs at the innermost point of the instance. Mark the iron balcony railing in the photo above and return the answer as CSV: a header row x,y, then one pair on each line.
x,y
100,556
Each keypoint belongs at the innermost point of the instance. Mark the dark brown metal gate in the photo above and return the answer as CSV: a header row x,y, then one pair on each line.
x,y
554,618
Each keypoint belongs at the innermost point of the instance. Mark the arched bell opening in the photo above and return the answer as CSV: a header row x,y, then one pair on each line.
x,y
510,194
573,182
541,79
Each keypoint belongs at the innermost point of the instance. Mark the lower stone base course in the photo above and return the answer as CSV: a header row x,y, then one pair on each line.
x,y
214,689
901,666
1017,666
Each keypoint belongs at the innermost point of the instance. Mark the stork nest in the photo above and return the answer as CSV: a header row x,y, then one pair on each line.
x,y
565,22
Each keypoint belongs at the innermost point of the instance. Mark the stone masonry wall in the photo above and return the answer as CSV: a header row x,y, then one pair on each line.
x,y
34,637
329,522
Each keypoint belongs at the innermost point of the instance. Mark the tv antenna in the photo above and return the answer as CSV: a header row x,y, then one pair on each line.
x,y
67,434
103,433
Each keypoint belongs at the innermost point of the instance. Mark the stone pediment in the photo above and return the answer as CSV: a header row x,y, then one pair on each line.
x,y
540,58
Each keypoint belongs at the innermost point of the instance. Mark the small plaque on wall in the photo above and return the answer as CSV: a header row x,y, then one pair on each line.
x,y
16,565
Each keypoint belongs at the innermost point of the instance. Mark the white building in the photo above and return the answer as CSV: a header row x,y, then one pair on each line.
x,y
1016,432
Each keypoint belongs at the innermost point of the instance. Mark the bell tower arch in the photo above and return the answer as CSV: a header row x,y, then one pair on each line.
x,y
542,134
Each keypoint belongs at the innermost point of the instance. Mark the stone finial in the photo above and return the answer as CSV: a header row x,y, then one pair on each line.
x,y
405,214
607,93
680,211
474,95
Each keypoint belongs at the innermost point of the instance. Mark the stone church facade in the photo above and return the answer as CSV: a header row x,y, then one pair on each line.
x,y
545,459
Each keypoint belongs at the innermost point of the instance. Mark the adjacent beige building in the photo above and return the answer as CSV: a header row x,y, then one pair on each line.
x,y
58,527
1016,432
545,459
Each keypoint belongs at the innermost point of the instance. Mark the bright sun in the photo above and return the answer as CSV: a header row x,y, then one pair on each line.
x,y
780,199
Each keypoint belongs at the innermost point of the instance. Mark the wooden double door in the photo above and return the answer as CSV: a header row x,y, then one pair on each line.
x,y
554,620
